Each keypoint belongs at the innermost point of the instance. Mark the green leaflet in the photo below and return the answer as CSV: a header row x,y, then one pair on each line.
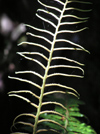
x,y
75,123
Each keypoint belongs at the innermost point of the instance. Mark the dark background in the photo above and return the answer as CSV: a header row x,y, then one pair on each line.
x,y
23,11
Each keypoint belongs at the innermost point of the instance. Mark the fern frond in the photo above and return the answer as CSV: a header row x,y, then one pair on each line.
x,y
25,99
68,48
38,29
61,74
40,37
46,130
28,58
50,13
60,2
66,66
24,123
67,59
70,42
24,114
77,9
74,121
71,23
56,103
51,7
32,72
34,53
52,121
58,19
19,133
34,44
76,17
70,31
27,81
60,85
23,91
77,1
61,92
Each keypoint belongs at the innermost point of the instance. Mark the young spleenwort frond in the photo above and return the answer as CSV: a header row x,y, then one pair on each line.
x,y
60,13
77,122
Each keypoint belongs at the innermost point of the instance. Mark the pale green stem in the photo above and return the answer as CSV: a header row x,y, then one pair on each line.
x,y
46,71
66,121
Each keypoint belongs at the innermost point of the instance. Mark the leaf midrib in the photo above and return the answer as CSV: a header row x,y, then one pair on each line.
x,y
47,69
